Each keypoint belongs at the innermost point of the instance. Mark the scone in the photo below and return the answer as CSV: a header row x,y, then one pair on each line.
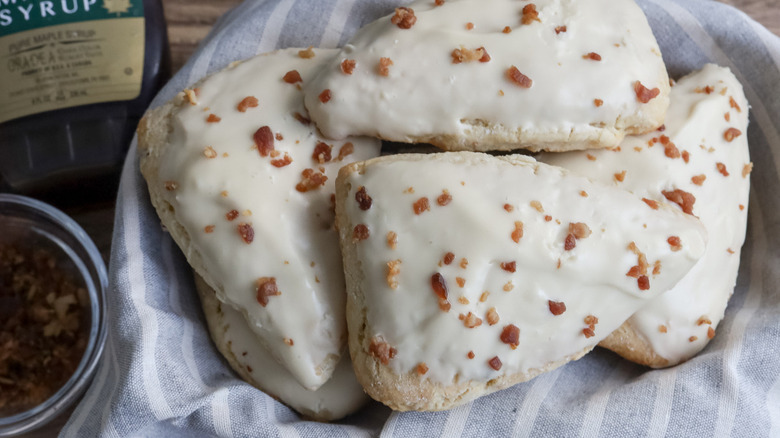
x,y
701,161
496,75
337,398
468,273
244,184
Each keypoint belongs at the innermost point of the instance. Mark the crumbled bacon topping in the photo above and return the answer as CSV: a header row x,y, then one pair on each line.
x,y
517,234
266,287
213,118
301,118
583,193
670,149
537,206
292,77
698,179
471,320
492,316
307,53
469,25
264,140
246,103
651,203
508,207
422,368
517,78
495,363
591,322
325,96
467,55
662,328
598,102
464,262
322,152
593,56
231,215
171,185
556,307
279,136
733,104
404,18
693,338
438,2
421,205
674,243
682,198
461,282
444,199
511,335
590,157
703,320
289,342
579,230
209,229
644,94
508,286
439,286
444,305
484,297
346,149
310,180
644,282
509,266
246,232
722,169
363,199
570,242
559,29
393,271
507,29
392,239
746,169
710,332
470,355
620,176
281,162
360,232
530,14
588,332
381,350
348,66
686,156
383,67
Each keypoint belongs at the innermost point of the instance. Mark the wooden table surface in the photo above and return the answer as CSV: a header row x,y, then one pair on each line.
x,y
189,21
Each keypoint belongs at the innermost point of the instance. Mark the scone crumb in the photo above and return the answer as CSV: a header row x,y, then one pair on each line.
x,y
580,230
246,232
190,96
171,185
308,53
698,179
556,307
508,286
381,350
421,205
246,103
422,368
383,67
492,316
448,258
325,96
360,232
722,169
404,18
322,152
231,215
346,149
517,234
593,56
266,287
472,321
393,271
348,66
310,180
674,243
518,78
444,198
439,286
662,328
644,94
264,140
509,266
495,363
651,203
530,14
682,198
213,118
537,206
511,335
392,239
747,169
292,77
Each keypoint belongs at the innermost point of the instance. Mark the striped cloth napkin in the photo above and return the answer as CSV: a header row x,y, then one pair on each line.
x,y
161,376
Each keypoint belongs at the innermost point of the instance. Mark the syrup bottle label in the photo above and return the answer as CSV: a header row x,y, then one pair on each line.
x,y
63,53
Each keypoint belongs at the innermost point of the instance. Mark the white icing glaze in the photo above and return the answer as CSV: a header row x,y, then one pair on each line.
x,y
425,94
339,396
294,241
695,119
475,225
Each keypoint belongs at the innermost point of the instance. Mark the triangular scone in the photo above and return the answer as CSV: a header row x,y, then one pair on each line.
x,y
244,183
468,273
337,398
496,75
703,153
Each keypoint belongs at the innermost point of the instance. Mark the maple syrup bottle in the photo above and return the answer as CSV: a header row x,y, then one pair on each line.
x,y
75,79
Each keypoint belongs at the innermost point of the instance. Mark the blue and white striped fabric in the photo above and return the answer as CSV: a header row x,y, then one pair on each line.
x,y
161,376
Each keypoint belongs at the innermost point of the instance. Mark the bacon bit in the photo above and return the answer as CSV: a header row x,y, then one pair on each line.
x,y
556,307
547,218
620,176
421,205
651,203
703,320
508,286
444,198
301,118
588,332
279,136
698,179
662,328
448,258
530,14
507,29
731,134
461,282
643,282
682,198
686,156
306,54
209,229
741,207
381,350
674,243
393,271
281,162
470,355
693,338
213,118
472,321
190,96
579,230
710,332
246,232
363,199
593,56
591,320
591,157
404,18
264,140
422,368
348,66
519,79
746,169
464,262
583,193
346,149
266,287
643,94
444,305
292,77
511,336
559,29
722,169
670,150
274,153
322,153
360,232
508,208
310,180
438,2
729,250
383,68
495,363
517,234
246,103
466,55
224,193
536,205
570,242
469,25
439,286
733,104
171,185
484,297
598,102
409,190
231,215
508,266
325,96
289,342
727,116
656,267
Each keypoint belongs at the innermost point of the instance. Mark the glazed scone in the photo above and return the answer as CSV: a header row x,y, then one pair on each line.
x,y
702,151
244,184
496,75
337,398
468,273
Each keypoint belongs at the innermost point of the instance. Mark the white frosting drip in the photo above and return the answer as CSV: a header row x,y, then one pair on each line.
x,y
425,94
695,123
475,225
294,239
